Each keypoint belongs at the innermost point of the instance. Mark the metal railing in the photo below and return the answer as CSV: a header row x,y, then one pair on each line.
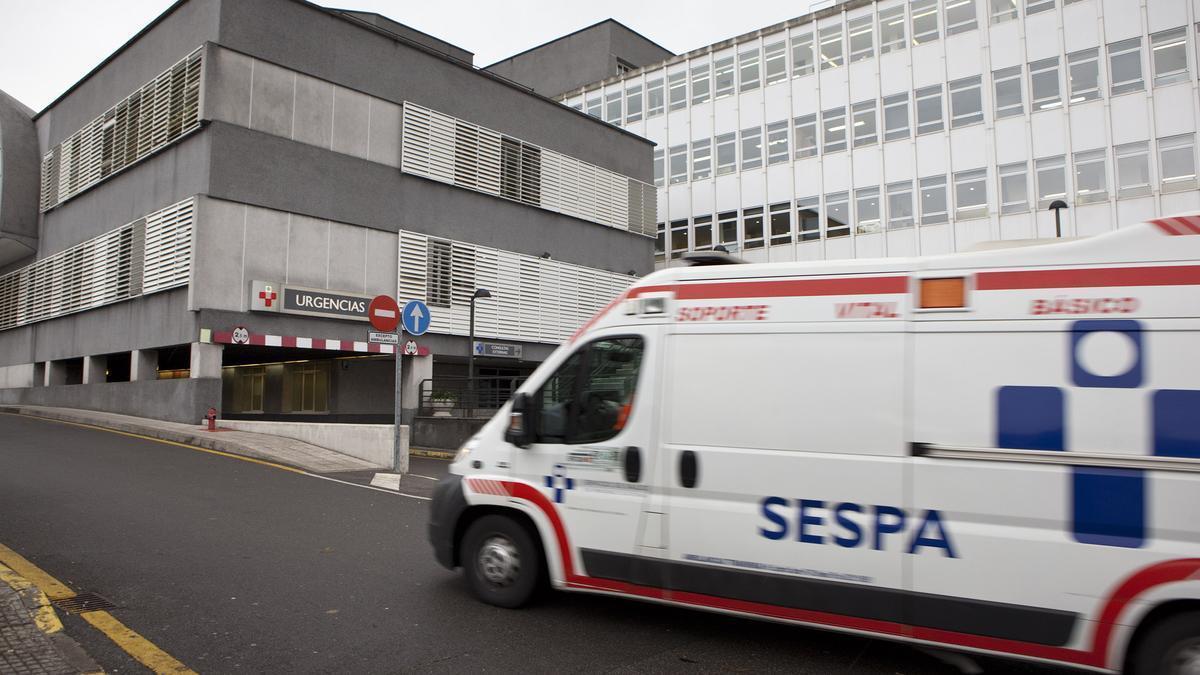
x,y
460,397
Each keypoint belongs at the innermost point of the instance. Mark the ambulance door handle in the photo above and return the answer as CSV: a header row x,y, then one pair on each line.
x,y
689,469
633,464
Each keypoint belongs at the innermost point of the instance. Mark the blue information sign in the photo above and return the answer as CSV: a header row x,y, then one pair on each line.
x,y
415,316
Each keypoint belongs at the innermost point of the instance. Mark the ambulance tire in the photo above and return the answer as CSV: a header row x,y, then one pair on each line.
x,y
1170,647
501,561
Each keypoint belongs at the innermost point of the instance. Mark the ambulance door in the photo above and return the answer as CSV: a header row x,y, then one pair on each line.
x,y
592,455
783,465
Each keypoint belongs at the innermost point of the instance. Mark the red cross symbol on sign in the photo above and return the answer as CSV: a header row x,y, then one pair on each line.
x,y
268,295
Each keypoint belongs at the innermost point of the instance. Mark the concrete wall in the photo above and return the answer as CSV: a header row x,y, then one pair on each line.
x,y
443,433
182,400
583,57
424,39
370,442
20,173
332,48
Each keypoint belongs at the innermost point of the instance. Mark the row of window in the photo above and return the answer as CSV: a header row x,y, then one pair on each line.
x,y
902,204
807,135
1168,62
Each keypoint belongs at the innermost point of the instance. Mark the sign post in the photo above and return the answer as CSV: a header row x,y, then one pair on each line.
x,y
384,315
415,317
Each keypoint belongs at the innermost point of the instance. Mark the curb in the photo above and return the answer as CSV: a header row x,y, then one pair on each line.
x,y
42,613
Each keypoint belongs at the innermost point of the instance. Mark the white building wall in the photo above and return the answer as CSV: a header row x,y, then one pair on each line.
x,y
1087,141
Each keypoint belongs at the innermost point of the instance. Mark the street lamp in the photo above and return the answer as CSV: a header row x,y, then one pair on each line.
x,y
1057,206
479,293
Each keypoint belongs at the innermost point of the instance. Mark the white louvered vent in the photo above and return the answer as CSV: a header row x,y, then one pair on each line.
x,y
453,151
114,266
533,298
157,114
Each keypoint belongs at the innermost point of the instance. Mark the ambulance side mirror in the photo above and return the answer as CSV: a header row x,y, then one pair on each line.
x,y
520,422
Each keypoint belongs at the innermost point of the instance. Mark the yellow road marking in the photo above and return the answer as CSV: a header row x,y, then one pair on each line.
x,y
44,616
146,652
219,453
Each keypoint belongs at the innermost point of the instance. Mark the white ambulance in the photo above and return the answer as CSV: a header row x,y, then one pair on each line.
x,y
995,451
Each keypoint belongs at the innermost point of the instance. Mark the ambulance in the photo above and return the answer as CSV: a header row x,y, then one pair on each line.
x,y
995,451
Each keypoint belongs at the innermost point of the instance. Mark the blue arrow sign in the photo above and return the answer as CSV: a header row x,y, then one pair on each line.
x,y
415,316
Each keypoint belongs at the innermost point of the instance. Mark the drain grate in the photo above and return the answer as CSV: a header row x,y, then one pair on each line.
x,y
84,602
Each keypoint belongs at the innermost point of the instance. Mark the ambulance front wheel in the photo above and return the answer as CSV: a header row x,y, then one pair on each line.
x,y
1171,647
501,562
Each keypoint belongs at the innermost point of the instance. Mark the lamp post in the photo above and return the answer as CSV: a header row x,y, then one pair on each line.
x,y
1057,206
479,293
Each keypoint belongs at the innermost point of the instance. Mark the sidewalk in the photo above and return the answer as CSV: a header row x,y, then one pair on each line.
x,y
31,637
258,446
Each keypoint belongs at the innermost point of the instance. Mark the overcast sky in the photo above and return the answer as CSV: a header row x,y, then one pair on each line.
x,y
48,45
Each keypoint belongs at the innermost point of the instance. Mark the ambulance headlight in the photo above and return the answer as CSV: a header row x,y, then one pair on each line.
x,y
465,450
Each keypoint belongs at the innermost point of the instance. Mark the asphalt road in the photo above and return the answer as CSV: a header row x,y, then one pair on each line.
x,y
231,566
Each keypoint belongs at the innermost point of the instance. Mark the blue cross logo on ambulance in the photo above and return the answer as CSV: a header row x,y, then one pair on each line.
x,y
850,525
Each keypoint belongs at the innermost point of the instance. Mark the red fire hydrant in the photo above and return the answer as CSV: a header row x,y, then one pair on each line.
x,y
212,419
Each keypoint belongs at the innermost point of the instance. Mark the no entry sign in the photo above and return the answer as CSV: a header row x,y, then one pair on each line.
x,y
384,313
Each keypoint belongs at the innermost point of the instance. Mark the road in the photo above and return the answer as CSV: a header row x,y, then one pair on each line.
x,y
231,566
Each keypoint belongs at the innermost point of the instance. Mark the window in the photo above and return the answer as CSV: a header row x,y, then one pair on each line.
x,y
679,238
578,105
1007,82
865,129
677,89
924,15
834,122
1091,177
678,158
248,387
623,68
866,210
701,84
752,227
727,225
1034,6
808,218
1003,10
1051,180
895,117
960,16
748,69
660,243
594,105
1168,51
1083,75
612,107
781,224
701,159
633,103
777,142
970,194
702,233
802,55
831,47
306,387
966,102
660,168
1177,162
723,76
1125,66
438,273
929,109
900,205
587,400
1014,188
891,30
1043,84
805,133
752,148
654,97
861,46
775,61
933,200
726,153
1133,169
837,214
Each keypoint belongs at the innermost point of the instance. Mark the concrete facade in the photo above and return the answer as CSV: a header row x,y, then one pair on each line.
x,y
18,182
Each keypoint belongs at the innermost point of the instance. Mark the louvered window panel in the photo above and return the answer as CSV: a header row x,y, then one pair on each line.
x,y
156,115
454,151
150,254
533,299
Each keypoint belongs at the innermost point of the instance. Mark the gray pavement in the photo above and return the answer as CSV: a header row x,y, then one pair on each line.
x,y
27,648
231,566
